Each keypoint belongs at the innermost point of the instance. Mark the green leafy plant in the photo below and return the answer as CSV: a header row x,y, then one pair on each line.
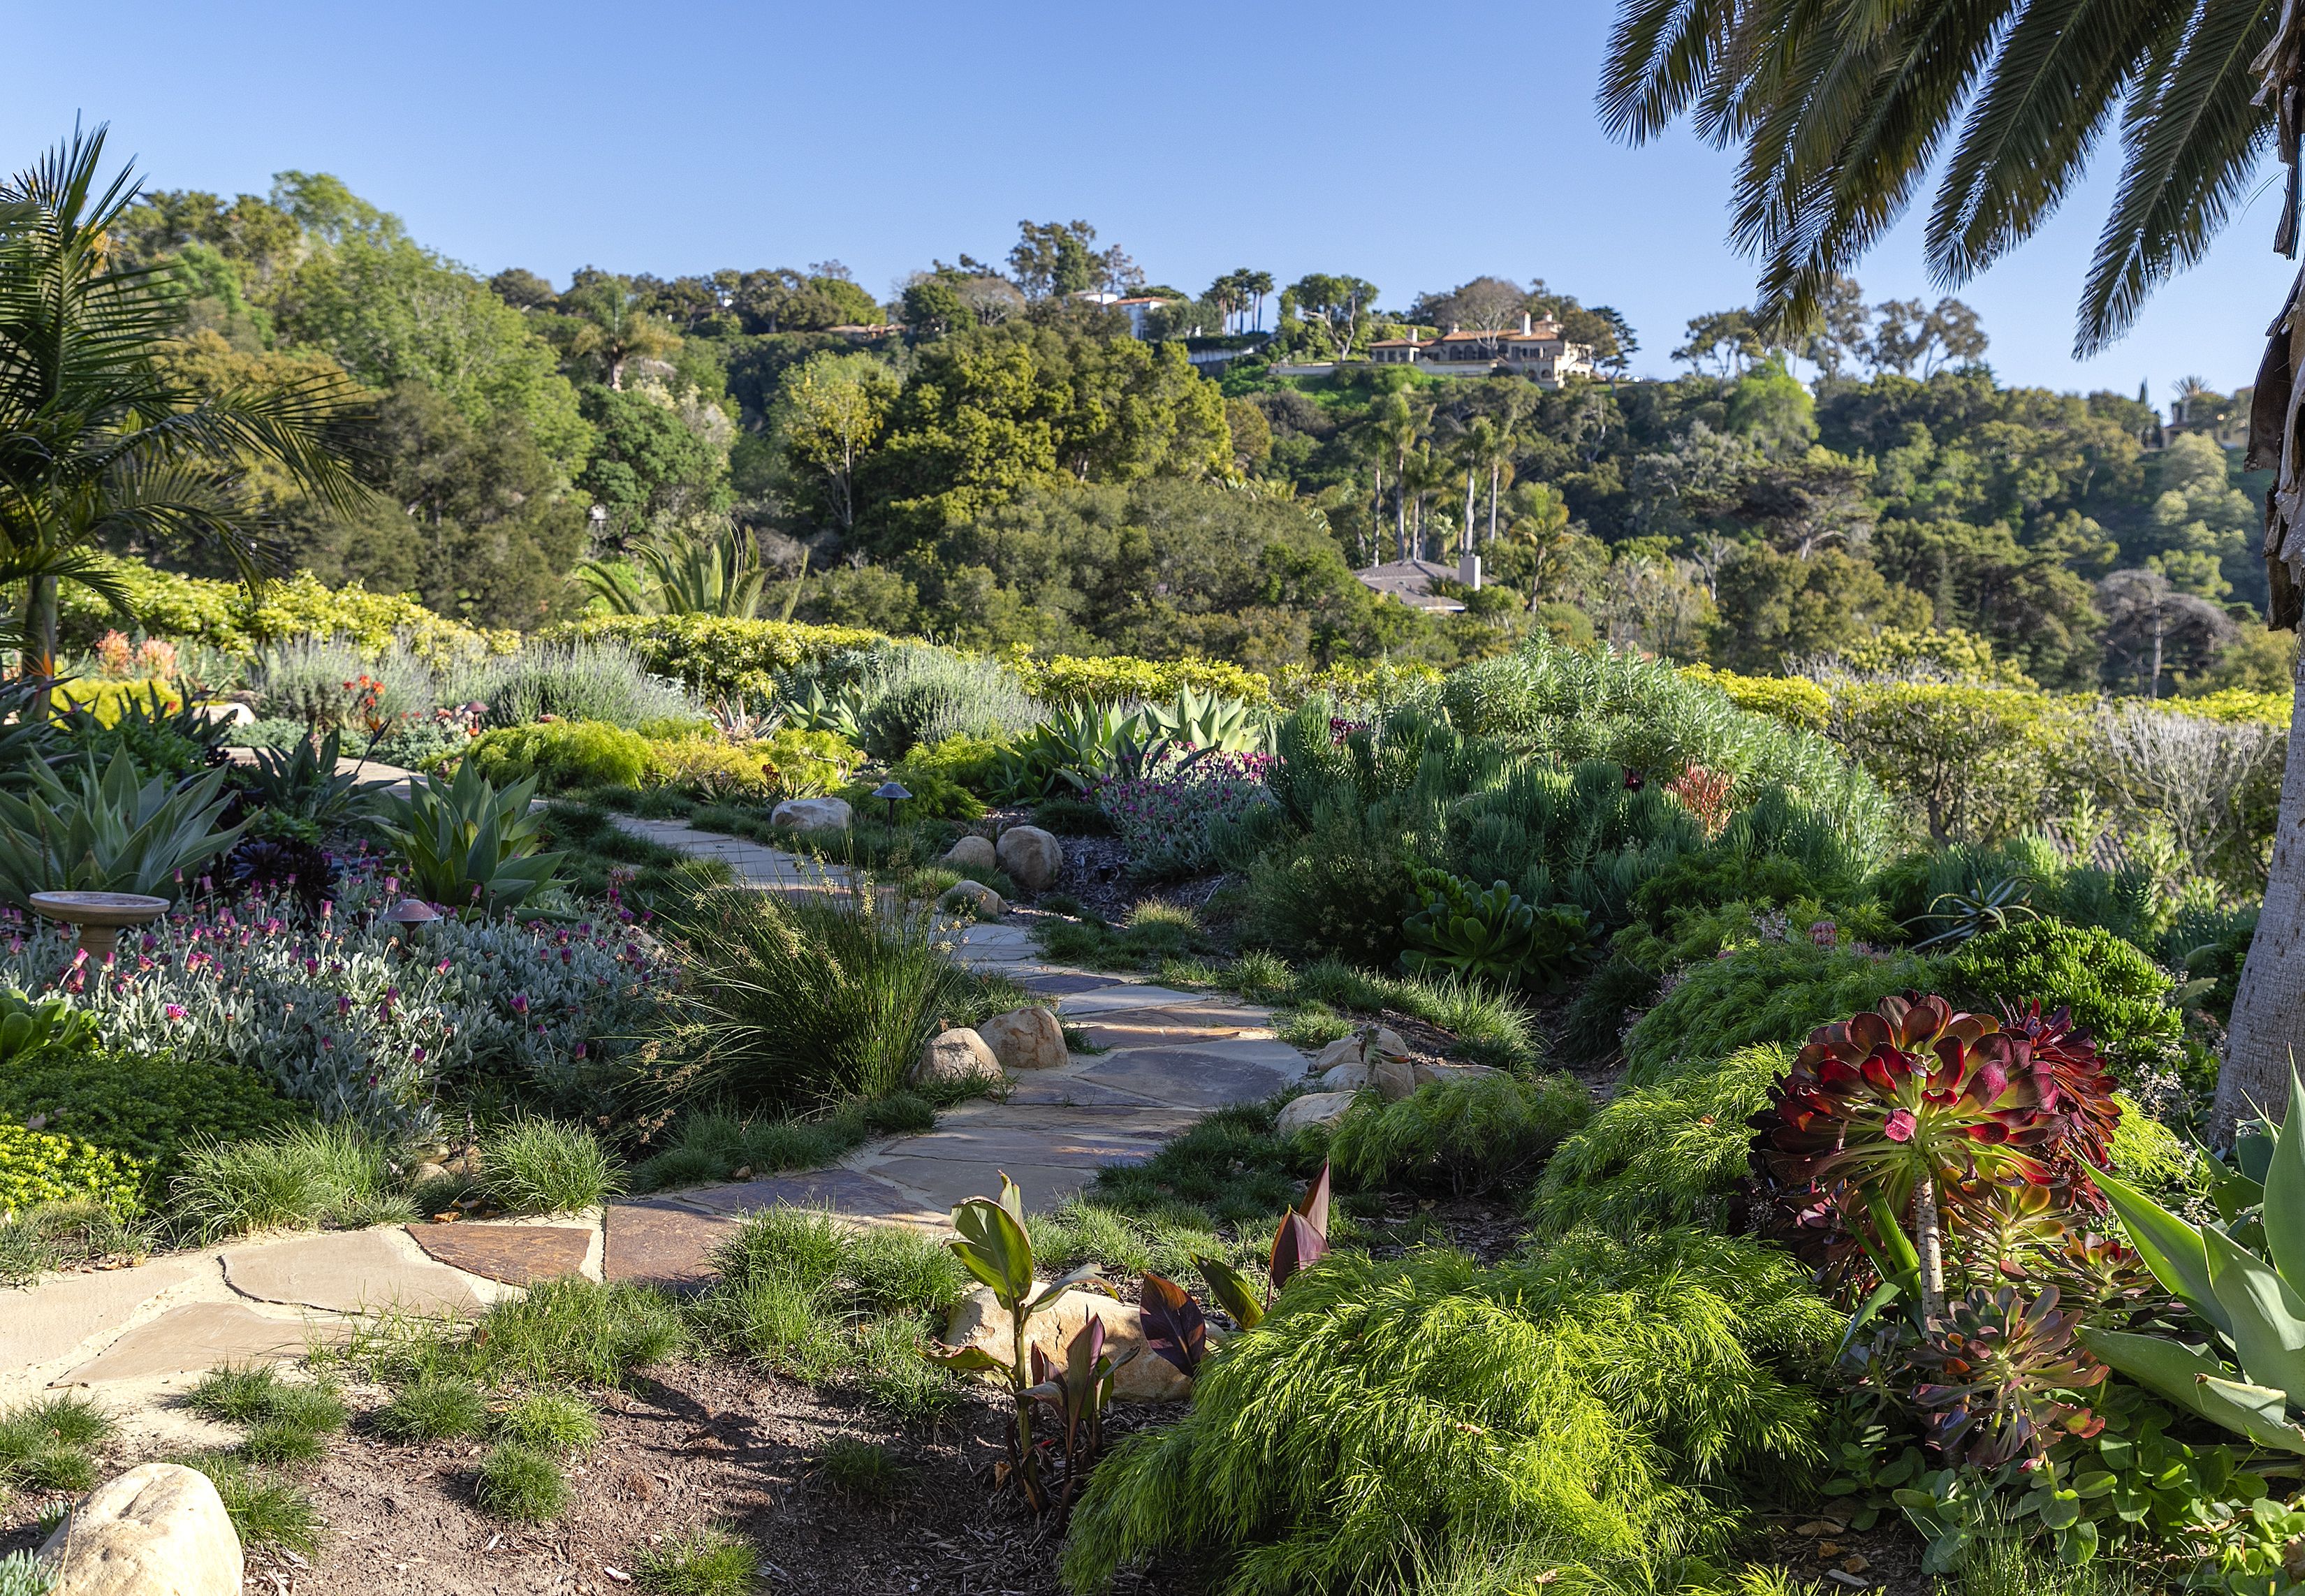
x,y
702,1562
562,754
1989,907
302,781
862,1469
107,831
153,1110
436,1406
536,1165
1491,935
1462,1136
466,845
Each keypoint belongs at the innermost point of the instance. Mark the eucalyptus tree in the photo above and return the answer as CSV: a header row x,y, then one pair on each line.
x,y
100,443
1842,111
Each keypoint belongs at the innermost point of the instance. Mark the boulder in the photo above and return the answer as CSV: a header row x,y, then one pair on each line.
x,y
226,713
1427,1074
1314,1108
1350,1075
811,814
1026,1039
975,897
1031,856
956,1055
1345,1050
1384,1040
159,1530
1394,1078
972,852
980,1321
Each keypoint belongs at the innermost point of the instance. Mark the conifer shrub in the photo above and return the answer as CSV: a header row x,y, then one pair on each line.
x,y
1676,1153
1779,991
1457,1136
1601,1403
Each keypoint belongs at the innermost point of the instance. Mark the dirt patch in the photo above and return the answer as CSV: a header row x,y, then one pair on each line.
x,y
715,1443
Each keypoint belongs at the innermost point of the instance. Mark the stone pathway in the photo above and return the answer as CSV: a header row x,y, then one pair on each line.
x,y
138,1335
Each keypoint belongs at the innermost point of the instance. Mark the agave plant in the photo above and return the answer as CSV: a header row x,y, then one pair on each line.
x,y
1990,907
1077,746
2250,1377
1491,936
807,708
1887,1119
465,845
2001,1374
1210,721
108,830
303,782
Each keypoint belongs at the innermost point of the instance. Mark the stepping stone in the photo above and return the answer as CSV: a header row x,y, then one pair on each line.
x,y
658,1243
1063,1088
347,1271
198,1335
945,1184
513,1254
53,1319
1057,983
1120,996
1212,1076
1054,1137
845,1191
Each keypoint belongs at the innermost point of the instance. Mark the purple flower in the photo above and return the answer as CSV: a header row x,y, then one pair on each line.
x,y
174,1011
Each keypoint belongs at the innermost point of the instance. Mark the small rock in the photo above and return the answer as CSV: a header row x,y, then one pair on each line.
x,y
1384,1040
1828,1549
225,714
1345,1050
1351,1076
974,897
1819,1526
1427,1074
811,814
1032,856
972,852
1026,1039
980,1321
1394,1077
956,1056
424,1173
159,1530
1841,1577
1314,1108
1856,1562
464,1165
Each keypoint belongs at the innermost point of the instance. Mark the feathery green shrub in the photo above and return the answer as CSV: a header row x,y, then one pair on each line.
x,y
562,755
1460,1136
1779,991
1599,1401
151,1108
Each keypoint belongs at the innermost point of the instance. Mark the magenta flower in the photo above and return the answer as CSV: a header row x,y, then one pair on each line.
x,y
174,1011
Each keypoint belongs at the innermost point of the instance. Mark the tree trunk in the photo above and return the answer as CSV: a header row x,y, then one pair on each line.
x,y
40,660
1494,473
1925,1243
2269,1011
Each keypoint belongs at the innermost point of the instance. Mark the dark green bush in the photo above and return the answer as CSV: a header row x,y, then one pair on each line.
x,y
2116,992
1599,1403
151,1108
1779,991
2211,946
1458,1136
1340,891
2125,902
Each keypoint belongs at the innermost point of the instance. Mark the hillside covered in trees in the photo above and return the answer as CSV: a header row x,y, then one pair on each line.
x,y
991,457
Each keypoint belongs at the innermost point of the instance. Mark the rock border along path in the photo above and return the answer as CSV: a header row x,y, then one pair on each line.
x,y
138,1334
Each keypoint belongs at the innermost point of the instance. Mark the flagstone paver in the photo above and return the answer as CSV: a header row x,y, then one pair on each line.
x,y
1166,1057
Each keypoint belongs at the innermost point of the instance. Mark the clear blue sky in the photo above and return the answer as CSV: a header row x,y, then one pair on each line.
x,y
1413,145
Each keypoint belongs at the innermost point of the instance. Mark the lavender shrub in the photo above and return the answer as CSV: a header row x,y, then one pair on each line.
x,y
1172,819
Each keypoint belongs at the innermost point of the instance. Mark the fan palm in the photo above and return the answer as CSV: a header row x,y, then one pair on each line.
x,y
98,443
1840,108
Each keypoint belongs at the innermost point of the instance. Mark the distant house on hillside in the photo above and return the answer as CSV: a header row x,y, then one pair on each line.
x,y
860,333
1538,351
1411,581
1135,307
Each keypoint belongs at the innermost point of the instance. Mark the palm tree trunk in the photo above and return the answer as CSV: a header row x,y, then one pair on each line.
x,y
40,660
2268,1011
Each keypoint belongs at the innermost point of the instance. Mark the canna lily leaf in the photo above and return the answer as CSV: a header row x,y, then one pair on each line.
x,y
1295,1246
1231,1290
1086,1275
2268,1320
2172,1249
2284,1192
1176,1330
991,1245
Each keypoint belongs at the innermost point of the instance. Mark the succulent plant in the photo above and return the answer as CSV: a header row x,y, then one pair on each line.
x,y
2001,1375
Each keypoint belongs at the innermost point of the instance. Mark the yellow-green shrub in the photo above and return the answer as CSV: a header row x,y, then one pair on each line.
x,y
2234,705
717,655
222,615
1974,759
107,699
704,765
562,754
806,764
38,1167
1069,679
1794,700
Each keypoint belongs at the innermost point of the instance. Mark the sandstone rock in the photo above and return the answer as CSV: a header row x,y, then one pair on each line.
x,y
1032,857
225,714
426,1174
975,896
159,1530
972,852
811,814
1345,1050
956,1056
1385,1041
1314,1108
1026,1039
1350,1075
1427,1074
1395,1078
980,1321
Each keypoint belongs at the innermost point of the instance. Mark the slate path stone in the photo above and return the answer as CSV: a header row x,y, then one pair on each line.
x,y
37,1329
659,1242
356,1271
198,1335
510,1254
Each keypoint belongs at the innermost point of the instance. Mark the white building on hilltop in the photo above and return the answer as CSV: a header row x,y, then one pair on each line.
x,y
1537,350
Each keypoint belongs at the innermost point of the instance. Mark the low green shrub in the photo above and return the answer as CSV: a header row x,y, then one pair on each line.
x,y
599,680
1460,1136
550,1422
536,1166
1598,1403
702,1562
1340,892
151,1110
1779,991
864,1471
2114,991
266,1512
719,656
36,1166
1675,1153
304,1176
516,1484
561,755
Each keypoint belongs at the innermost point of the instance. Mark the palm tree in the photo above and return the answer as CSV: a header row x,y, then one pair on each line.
x,y
98,442
1840,110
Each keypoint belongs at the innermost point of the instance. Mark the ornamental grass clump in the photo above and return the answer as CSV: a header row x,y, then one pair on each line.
x,y
1596,1404
1457,1136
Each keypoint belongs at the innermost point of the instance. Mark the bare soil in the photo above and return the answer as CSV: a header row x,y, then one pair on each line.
x,y
717,1443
